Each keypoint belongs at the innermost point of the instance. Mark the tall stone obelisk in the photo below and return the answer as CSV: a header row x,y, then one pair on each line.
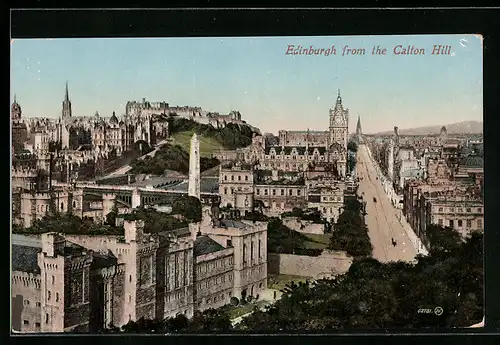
x,y
390,161
194,167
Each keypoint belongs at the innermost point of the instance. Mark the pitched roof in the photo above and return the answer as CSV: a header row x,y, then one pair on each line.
x,y
205,245
25,258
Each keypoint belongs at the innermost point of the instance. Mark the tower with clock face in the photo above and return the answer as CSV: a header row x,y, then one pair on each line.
x,y
339,119
338,135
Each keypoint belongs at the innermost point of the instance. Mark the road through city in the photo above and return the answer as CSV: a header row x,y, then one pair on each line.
x,y
382,216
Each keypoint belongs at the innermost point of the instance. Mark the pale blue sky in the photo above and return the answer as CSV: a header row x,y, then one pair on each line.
x,y
272,90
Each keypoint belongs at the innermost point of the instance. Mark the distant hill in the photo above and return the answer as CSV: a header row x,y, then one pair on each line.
x,y
466,127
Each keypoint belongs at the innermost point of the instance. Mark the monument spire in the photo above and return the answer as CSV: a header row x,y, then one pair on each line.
x,y
194,167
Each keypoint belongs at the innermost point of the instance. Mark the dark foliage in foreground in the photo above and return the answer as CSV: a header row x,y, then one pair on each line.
x,y
209,321
376,295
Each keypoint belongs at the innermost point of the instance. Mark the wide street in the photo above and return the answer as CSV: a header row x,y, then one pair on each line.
x,y
382,216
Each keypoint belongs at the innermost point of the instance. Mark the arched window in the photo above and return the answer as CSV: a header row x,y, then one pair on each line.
x,y
62,206
74,204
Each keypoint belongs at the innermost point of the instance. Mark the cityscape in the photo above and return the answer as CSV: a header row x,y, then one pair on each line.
x,y
294,193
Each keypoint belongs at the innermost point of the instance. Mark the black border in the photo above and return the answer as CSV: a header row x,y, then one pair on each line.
x,y
192,23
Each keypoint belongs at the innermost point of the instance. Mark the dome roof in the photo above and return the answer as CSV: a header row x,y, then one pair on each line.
x,y
113,119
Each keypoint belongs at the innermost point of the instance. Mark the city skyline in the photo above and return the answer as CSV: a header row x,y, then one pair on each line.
x,y
256,77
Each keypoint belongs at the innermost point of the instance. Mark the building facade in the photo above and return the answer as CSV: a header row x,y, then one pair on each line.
x,y
135,275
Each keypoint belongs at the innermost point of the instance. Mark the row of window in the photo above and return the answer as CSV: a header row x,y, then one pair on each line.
x,y
174,296
232,177
274,205
27,302
221,279
49,296
333,198
45,208
215,264
297,156
216,298
277,165
265,192
250,272
460,209
252,250
37,324
451,223
232,190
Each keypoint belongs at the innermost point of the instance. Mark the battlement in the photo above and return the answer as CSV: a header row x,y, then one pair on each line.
x,y
36,195
44,195
29,280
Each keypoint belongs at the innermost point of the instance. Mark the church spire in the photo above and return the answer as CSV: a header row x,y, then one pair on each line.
x,y
66,96
66,110
15,99
358,126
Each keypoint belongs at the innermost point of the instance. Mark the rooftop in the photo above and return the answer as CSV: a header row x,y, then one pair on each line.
x,y
25,258
205,245
299,149
472,161
231,223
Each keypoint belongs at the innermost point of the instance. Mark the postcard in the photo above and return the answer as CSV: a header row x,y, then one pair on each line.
x,y
247,184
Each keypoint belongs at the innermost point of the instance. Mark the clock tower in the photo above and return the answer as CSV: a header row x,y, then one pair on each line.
x,y
339,120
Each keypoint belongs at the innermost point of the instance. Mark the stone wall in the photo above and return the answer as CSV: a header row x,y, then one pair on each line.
x,y
328,263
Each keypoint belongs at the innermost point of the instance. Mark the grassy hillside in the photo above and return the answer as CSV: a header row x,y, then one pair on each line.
x,y
207,144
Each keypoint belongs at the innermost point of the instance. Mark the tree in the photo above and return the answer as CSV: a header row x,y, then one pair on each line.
x,y
385,295
350,232
352,146
189,207
442,239
211,320
111,216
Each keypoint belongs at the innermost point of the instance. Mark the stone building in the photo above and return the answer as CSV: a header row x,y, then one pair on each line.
x,y
112,135
64,283
236,185
248,242
34,205
329,200
443,203
281,194
244,188
59,286
297,150
214,276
